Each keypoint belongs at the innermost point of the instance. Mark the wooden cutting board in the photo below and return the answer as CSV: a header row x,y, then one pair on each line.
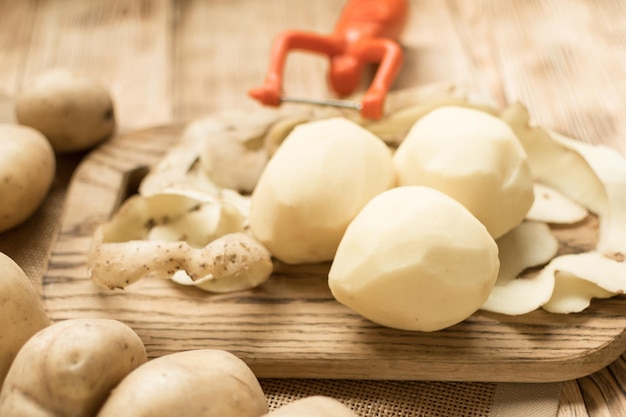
x,y
291,327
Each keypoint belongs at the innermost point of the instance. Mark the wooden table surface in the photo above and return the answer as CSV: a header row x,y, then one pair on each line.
x,y
170,61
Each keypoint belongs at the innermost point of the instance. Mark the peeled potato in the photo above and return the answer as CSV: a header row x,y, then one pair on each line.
x,y
316,183
199,383
475,158
414,259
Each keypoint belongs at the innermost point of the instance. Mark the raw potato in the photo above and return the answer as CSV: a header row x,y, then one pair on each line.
x,y
27,168
473,157
414,259
69,368
22,313
316,183
73,111
199,383
315,406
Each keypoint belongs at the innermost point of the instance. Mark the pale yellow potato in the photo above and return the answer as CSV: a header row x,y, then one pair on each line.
x,y
69,368
475,158
314,406
27,168
22,313
75,112
316,183
414,259
198,383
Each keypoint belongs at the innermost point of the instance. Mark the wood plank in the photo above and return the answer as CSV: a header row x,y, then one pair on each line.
x,y
566,77
16,21
430,59
571,403
474,27
215,69
291,326
119,42
603,391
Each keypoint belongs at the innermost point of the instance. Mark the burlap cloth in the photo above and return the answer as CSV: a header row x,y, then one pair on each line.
x,y
30,246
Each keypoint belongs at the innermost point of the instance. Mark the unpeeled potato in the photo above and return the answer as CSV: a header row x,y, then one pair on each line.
x,y
74,111
22,313
317,181
314,406
27,168
199,383
69,368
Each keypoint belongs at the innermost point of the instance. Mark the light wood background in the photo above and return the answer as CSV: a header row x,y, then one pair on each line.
x,y
169,61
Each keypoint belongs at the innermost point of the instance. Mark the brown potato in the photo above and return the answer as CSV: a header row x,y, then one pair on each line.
x,y
73,111
199,383
315,406
22,313
27,167
69,368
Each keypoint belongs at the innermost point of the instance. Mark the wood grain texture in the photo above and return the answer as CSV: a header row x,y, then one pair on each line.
x,y
566,79
571,403
291,326
17,18
215,72
604,391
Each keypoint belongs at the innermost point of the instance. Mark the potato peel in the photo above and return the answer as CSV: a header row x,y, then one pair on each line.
x,y
610,167
530,244
161,235
550,206
117,265
581,277
555,165
595,178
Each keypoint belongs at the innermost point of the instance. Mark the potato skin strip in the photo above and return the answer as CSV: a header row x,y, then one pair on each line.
x,y
528,245
117,265
555,165
581,277
550,206
610,167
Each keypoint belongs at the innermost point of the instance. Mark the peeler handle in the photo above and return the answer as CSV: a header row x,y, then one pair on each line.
x,y
366,32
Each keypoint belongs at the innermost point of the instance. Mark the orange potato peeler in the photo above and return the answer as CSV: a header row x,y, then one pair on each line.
x,y
366,32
